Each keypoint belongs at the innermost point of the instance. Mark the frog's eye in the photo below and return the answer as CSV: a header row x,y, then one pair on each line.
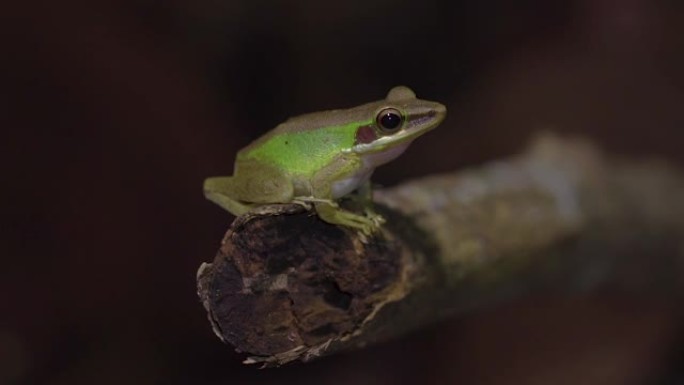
x,y
389,120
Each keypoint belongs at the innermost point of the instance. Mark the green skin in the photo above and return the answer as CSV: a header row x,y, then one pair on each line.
x,y
321,157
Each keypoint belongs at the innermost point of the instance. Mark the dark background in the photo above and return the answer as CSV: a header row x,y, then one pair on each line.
x,y
113,112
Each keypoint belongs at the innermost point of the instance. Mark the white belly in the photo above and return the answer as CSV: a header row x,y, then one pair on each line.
x,y
345,186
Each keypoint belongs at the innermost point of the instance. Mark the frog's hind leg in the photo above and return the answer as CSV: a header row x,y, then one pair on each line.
x,y
255,185
220,190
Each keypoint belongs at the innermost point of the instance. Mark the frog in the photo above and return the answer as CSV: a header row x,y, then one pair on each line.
x,y
316,159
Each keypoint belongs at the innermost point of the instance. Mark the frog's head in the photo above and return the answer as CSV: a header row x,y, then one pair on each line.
x,y
395,122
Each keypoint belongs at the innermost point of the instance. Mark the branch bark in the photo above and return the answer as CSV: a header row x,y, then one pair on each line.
x,y
286,286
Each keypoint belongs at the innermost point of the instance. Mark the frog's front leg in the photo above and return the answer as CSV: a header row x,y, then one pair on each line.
x,y
364,194
337,216
326,208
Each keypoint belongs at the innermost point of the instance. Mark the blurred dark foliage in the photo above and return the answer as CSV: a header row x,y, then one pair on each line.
x,y
113,112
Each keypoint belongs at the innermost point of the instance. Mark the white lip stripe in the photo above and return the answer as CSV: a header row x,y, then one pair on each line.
x,y
384,141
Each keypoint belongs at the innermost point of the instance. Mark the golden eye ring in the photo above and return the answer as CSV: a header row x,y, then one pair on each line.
x,y
389,120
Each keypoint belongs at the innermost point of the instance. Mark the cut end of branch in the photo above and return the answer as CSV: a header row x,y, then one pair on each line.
x,y
285,285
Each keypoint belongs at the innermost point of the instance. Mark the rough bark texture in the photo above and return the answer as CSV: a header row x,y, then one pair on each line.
x,y
287,279
287,286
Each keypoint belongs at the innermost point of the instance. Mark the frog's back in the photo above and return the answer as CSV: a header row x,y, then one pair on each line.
x,y
304,144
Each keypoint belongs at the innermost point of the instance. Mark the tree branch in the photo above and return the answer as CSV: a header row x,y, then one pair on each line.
x,y
287,286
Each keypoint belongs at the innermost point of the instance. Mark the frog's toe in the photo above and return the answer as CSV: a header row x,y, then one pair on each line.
x,y
307,205
368,226
314,200
361,223
377,219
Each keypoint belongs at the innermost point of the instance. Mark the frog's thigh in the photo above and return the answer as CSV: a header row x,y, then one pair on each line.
x,y
253,185
221,190
259,183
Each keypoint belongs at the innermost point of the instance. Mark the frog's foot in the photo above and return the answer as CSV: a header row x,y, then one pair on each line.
x,y
309,199
366,226
307,205
337,216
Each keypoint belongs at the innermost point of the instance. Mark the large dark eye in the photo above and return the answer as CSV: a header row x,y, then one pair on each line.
x,y
389,120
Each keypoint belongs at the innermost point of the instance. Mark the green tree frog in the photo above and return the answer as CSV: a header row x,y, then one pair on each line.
x,y
318,158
